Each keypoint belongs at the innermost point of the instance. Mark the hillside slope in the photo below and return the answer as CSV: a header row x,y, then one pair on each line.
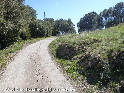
x,y
95,58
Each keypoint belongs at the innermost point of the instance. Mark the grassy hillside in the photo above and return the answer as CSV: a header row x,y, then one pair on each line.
x,y
96,58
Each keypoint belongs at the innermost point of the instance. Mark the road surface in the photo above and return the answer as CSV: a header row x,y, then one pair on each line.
x,y
34,71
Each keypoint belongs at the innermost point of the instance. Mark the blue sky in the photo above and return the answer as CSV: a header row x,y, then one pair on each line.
x,y
74,9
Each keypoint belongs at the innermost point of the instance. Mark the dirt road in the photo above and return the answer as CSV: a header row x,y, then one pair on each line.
x,y
34,71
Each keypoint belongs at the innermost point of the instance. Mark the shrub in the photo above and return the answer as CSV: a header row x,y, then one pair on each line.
x,y
36,29
65,51
25,34
121,88
8,34
92,67
47,28
116,62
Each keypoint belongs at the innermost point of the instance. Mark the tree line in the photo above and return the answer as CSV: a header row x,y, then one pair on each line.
x,y
19,22
107,18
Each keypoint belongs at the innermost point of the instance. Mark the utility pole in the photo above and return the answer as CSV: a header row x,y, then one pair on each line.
x,y
44,15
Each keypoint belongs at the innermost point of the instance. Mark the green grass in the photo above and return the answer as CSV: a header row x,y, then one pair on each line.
x,y
7,52
98,44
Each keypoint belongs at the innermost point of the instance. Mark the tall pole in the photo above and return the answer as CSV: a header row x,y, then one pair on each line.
x,y
44,15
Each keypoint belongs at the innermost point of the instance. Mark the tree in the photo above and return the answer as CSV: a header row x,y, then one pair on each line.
x,y
11,11
15,18
62,26
51,20
37,29
107,15
119,12
20,1
8,33
28,16
71,27
90,21
48,28
50,25
9,22
113,15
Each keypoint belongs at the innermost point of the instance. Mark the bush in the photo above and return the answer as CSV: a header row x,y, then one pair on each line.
x,y
8,34
36,29
98,71
65,51
25,34
116,62
92,67
121,88
47,28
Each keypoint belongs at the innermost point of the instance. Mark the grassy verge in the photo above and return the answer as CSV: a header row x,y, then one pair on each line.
x,y
94,58
8,52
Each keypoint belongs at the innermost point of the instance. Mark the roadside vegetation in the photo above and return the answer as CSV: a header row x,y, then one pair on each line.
x,y
107,18
96,58
19,22
19,25
8,53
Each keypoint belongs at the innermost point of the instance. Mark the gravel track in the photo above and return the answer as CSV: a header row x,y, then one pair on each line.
x,y
34,71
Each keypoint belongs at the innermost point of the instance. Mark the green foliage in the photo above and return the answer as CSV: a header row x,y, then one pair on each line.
x,y
113,15
36,29
18,21
117,65
90,90
25,34
11,11
65,51
62,26
15,18
90,21
48,28
121,88
91,67
28,15
49,25
40,28
8,34
107,18
7,53
99,56
9,22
